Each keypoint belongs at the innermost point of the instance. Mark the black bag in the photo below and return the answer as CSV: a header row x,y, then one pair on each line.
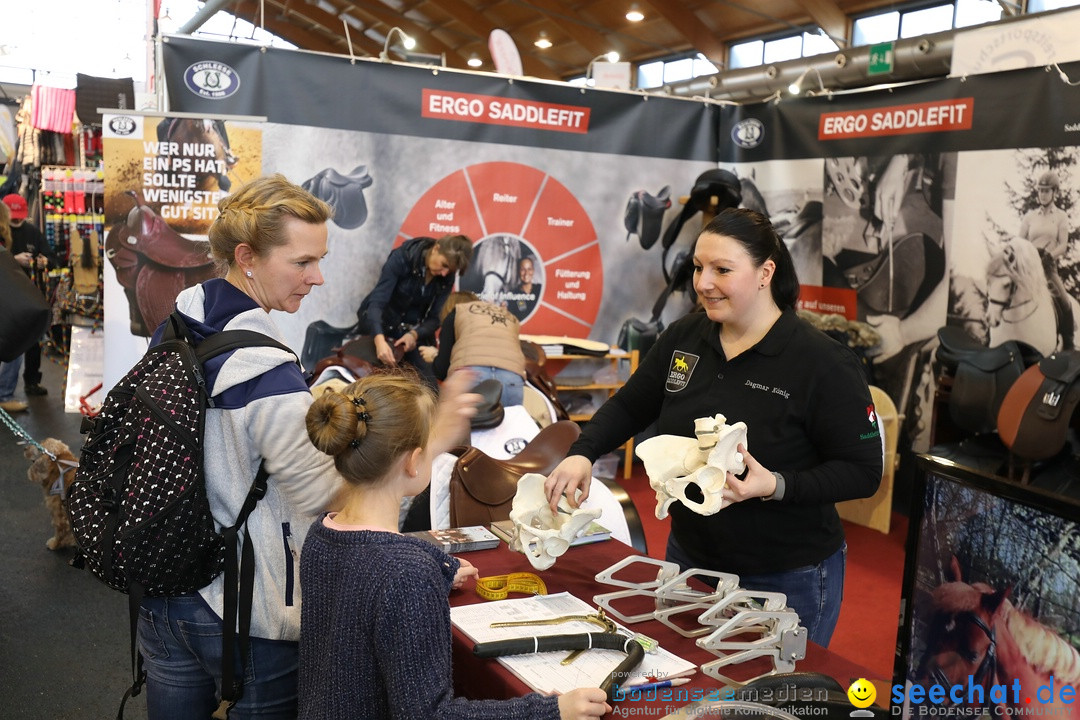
x,y
24,311
138,506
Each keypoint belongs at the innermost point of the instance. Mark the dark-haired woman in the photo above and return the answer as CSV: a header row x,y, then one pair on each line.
x,y
810,422
402,310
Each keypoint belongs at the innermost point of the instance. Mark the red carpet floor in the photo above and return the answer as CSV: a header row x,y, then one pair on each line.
x,y
866,631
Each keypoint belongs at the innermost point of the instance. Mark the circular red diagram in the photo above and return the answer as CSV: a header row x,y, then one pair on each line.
x,y
535,249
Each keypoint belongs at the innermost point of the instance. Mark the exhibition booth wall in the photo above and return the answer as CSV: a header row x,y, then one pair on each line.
x,y
895,203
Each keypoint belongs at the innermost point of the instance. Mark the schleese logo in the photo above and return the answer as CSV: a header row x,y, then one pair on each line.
x,y
211,79
748,133
122,125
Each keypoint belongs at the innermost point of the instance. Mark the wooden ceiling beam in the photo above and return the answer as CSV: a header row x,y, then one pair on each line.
x,y
392,18
286,27
594,43
470,18
829,17
696,33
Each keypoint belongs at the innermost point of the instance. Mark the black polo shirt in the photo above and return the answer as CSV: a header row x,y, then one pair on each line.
x,y
809,416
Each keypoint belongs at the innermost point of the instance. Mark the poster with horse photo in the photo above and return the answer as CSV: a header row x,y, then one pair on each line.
x,y
1016,261
163,180
994,600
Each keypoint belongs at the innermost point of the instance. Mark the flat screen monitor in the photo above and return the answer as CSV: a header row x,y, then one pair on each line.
x,y
990,615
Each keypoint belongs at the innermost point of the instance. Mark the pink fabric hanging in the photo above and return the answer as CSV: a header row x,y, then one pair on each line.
x,y
53,108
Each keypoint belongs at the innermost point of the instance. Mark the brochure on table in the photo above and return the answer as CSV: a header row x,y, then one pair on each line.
x,y
544,672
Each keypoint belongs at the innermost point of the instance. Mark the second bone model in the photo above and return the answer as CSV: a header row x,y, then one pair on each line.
x,y
673,462
538,532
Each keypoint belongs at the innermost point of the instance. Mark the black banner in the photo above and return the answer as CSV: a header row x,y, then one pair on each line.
x,y
298,88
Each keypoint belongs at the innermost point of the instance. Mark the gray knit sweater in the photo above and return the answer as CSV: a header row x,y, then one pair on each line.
x,y
375,637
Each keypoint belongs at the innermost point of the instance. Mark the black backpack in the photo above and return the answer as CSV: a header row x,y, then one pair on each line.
x,y
138,506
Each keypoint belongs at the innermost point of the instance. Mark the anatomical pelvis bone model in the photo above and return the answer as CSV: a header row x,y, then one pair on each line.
x,y
539,533
673,462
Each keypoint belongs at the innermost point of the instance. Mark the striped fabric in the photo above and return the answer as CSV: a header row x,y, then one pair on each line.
x,y
53,108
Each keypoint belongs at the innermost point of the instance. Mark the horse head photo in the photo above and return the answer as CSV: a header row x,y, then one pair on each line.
x,y
493,271
980,639
212,168
1019,303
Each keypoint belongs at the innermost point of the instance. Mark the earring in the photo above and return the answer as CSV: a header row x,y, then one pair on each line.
x,y
762,286
248,273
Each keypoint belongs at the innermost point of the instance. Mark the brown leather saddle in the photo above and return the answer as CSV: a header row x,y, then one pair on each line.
x,y
981,376
153,264
537,375
1037,410
357,356
482,488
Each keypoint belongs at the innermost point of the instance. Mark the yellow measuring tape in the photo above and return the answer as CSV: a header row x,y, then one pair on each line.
x,y
497,587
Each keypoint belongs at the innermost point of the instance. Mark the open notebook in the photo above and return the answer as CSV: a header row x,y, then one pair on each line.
x,y
543,671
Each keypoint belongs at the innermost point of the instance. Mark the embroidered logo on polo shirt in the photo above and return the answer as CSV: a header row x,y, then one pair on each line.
x,y
682,367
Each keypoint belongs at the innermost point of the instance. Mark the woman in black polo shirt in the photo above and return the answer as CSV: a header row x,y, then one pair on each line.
x,y
803,396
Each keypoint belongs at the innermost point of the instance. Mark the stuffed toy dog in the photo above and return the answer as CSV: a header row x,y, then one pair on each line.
x,y
54,477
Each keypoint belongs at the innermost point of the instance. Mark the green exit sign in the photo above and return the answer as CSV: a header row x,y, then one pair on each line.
x,y
881,59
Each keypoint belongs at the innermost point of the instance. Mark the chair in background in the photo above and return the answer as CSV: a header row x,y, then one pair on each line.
x,y
876,511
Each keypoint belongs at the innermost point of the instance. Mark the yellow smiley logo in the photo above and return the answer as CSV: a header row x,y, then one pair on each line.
x,y
862,693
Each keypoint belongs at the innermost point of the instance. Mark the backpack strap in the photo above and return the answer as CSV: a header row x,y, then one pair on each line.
x,y
228,340
220,342
239,591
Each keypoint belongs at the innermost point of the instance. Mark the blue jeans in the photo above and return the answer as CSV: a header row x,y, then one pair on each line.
x,y
813,591
9,378
180,641
513,392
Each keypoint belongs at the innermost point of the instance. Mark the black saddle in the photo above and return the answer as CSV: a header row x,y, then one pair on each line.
x,y
344,193
644,215
981,376
489,412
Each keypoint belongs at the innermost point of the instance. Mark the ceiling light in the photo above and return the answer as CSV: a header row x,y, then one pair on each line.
x,y
475,61
406,41
542,42
634,14
796,87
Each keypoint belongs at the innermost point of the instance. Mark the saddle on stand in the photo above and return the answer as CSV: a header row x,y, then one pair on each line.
x,y
976,378
1037,411
482,488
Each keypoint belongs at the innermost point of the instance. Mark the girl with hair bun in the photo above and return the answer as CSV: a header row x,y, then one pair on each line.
x,y
376,637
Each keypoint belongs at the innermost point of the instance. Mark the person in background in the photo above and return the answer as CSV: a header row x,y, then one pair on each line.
x,y
1047,228
808,411
526,292
270,235
9,371
402,311
31,251
482,337
376,640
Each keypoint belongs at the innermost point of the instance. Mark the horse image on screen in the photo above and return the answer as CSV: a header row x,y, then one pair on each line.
x,y
993,600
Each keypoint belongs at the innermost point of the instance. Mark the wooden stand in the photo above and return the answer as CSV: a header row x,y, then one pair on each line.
x,y
609,389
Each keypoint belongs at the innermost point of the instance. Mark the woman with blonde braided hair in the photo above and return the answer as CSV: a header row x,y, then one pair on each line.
x,y
270,236
376,640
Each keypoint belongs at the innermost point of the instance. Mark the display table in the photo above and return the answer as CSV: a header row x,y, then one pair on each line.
x,y
574,572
